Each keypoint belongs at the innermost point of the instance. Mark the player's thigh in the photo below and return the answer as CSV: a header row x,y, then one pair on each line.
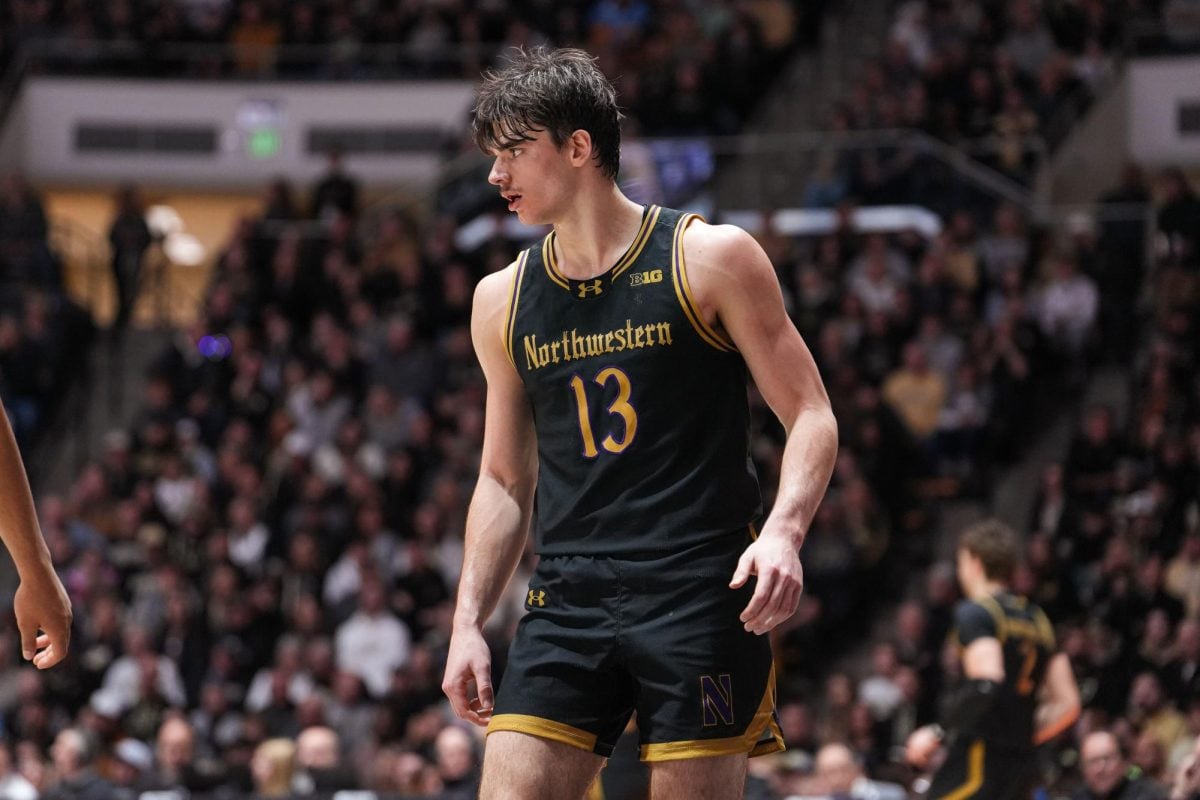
x,y
517,766
715,778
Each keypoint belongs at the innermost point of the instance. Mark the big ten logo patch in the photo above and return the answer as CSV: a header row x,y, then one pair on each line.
x,y
537,598
643,278
716,700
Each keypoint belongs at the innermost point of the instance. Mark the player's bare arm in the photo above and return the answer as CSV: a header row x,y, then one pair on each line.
x,y
1058,700
41,603
983,666
499,514
737,290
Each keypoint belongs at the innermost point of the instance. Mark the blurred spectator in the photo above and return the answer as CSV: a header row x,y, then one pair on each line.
x,y
1179,217
838,773
131,759
916,392
1107,774
373,642
13,785
254,37
74,757
457,764
1149,709
129,238
1067,307
335,193
273,767
319,765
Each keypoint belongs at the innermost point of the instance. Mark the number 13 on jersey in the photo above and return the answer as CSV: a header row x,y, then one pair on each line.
x,y
620,407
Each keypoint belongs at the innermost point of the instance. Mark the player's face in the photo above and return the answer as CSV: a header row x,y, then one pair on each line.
x,y
532,178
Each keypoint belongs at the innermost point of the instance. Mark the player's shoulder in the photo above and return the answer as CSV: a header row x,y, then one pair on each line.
x,y
983,613
721,252
717,237
493,290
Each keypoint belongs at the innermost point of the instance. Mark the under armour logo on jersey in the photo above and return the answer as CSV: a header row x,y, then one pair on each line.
x,y
642,278
716,699
591,288
537,597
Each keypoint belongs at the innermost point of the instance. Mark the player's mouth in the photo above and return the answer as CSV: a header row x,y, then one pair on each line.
x,y
513,198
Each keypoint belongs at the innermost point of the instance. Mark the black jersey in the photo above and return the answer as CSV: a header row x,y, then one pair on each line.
x,y
640,407
1027,640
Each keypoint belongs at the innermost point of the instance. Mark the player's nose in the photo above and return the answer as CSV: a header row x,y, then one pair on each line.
x,y
497,175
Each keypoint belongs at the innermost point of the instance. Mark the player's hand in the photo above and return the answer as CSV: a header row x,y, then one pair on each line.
x,y
41,604
780,580
922,746
468,679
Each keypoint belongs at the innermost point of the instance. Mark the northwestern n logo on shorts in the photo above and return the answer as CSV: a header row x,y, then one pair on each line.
x,y
716,700
537,597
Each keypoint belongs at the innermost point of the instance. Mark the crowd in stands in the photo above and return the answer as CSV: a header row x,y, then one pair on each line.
x,y
267,557
263,564
43,334
1002,80
691,68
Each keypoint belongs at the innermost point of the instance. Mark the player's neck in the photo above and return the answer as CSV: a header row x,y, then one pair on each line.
x,y
598,228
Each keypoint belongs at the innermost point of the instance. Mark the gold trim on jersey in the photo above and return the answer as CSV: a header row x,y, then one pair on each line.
x,y
549,264
649,219
974,774
992,606
639,242
596,792
543,729
748,742
514,297
683,290
1044,627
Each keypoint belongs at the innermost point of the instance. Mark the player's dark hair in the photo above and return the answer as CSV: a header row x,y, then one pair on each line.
x,y
995,545
557,91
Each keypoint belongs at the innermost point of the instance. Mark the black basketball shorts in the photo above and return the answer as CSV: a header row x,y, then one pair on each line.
x,y
978,770
660,636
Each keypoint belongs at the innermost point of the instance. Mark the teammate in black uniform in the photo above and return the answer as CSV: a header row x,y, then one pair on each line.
x,y
1017,692
617,352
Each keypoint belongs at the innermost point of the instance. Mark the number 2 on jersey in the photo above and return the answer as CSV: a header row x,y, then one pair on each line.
x,y
620,407
1029,653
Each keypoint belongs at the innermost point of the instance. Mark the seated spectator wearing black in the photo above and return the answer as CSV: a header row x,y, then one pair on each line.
x,y
1181,676
1107,774
839,773
74,754
319,764
1179,217
336,192
175,766
457,764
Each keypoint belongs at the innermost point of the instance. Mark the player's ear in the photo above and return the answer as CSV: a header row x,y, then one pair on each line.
x,y
579,148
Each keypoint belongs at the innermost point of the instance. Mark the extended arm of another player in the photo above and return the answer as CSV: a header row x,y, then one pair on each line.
x,y
983,670
40,602
738,280
499,514
1058,703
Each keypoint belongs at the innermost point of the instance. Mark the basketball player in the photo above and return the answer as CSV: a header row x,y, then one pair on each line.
x,y
41,603
616,353
1017,691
